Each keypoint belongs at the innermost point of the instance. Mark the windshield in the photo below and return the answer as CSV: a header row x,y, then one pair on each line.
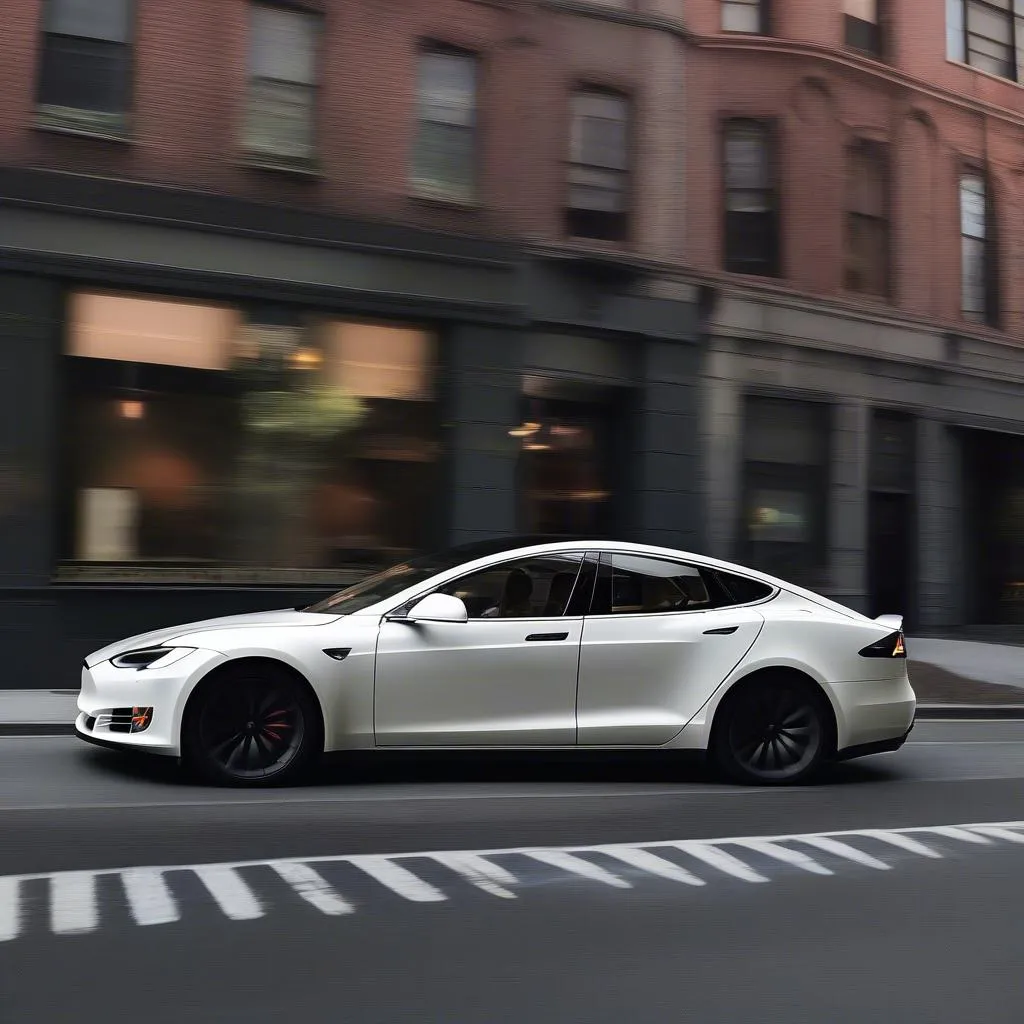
x,y
386,584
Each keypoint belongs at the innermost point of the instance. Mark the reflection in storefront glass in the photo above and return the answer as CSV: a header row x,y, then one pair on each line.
x,y
199,439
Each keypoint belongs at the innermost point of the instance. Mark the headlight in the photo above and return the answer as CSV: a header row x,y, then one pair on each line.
x,y
151,657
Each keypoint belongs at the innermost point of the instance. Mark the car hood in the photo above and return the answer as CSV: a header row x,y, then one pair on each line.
x,y
253,620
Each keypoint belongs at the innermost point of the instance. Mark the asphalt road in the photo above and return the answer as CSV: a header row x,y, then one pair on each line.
x,y
471,889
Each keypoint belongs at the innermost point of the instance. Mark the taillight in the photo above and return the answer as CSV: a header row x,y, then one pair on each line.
x,y
892,646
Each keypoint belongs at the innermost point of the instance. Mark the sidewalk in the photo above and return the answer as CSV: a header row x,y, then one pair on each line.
x,y
950,677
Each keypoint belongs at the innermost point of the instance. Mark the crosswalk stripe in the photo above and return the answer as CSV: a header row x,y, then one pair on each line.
x,y
312,887
786,854
652,864
10,908
998,833
484,874
953,832
578,866
398,879
722,860
149,897
230,891
904,842
73,909
834,846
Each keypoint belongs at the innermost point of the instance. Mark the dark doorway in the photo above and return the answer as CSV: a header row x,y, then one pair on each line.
x,y
890,528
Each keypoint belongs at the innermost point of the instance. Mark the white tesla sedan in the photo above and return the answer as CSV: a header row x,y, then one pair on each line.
x,y
501,644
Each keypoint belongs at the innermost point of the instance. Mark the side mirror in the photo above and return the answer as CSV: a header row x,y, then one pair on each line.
x,y
438,608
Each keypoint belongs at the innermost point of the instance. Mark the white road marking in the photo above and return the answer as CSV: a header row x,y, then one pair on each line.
x,y
578,866
312,887
652,864
73,907
834,846
10,908
227,887
149,897
398,879
74,904
722,860
785,854
484,874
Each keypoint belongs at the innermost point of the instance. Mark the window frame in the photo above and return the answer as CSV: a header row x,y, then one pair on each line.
x,y
605,572
769,129
275,157
418,186
880,152
991,314
582,90
1015,46
113,125
875,30
764,16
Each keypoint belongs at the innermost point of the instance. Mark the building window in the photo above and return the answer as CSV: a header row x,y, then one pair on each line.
x,y
751,200
861,27
987,34
979,266
749,16
281,113
204,440
867,225
786,446
598,166
445,154
85,66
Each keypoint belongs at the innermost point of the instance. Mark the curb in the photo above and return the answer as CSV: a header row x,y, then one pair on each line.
x,y
37,729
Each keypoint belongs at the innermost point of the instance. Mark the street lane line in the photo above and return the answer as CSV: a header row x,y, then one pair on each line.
x,y
73,909
651,864
398,879
484,874
904,843
952,832
233,896
721,859
845,850
785,854
149,898
578,866
10,908
312,887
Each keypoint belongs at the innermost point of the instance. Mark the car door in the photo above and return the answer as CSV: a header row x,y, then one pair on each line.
x,y
505,677
654,648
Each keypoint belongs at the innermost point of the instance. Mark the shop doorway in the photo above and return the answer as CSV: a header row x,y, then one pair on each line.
x,y
890,529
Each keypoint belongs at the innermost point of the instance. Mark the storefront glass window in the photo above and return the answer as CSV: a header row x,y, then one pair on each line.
x,y
786,486
200,438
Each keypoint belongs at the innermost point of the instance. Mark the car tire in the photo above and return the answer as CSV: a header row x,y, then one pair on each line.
x,y
251,725
775,730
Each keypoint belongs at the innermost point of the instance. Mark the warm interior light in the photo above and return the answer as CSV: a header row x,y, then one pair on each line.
x,y
132,409
306,358
525,430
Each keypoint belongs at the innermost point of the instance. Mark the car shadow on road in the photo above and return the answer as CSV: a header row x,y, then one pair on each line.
x,y
381,769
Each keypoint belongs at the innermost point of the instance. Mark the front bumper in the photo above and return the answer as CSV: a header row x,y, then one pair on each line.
x,y
108,693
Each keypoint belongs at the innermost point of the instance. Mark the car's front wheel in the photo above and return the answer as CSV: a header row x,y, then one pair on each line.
x,y
773,730
251,725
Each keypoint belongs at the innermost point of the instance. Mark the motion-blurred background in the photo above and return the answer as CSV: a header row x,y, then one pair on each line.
x,y
291,291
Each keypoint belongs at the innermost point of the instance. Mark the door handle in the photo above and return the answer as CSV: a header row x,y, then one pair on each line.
x,y
721,631
548,636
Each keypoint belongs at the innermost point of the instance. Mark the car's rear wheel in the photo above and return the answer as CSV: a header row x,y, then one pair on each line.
x,y
251,726
774,730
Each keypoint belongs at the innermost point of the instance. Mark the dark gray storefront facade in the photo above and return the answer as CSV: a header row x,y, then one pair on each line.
x,y
497,390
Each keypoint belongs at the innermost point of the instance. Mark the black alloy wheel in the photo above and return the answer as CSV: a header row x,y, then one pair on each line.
x,y
251,727
774,731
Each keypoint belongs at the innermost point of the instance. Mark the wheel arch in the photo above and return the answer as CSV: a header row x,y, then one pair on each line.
x,y
226,668
751,678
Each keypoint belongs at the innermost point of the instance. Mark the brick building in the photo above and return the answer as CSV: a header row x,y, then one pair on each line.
x,y
291,289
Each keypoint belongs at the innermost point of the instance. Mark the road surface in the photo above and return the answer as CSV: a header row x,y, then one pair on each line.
x,y
482,889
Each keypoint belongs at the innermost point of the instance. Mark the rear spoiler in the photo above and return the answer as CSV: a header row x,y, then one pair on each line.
x,y
893,622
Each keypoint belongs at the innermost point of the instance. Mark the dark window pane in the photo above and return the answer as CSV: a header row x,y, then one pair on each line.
x,y
89,19
866,255
84,74
751,243
743,590
538,587
863,35
634,584
598,224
